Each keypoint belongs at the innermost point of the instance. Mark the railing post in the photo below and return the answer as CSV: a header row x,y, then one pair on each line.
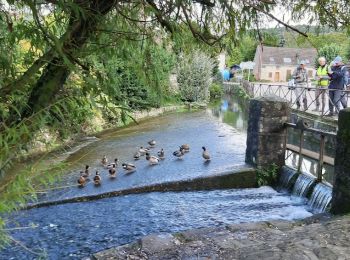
x,y
320,159
301,143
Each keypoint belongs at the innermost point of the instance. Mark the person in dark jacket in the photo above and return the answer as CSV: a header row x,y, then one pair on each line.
x,y
301,80
336,86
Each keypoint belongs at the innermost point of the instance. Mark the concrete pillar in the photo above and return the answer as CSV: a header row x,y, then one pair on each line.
x,y
341,187
266,134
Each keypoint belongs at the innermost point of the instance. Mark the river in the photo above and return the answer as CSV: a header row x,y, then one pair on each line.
x,y
73,231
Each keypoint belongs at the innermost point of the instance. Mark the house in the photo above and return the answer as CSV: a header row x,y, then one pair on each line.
x,y
277,64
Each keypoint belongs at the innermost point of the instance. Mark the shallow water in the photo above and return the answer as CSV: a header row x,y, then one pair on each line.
x,y
225,143
72,231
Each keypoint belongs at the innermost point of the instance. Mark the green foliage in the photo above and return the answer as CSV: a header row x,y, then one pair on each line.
x,y
216,91
251,76
247,47
62,61
194,76
347,52
24,186
268,175
329,52
235,57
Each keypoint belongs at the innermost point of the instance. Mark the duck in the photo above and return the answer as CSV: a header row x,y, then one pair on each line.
x,y
205,154
152,143
137,155
179,153
129,167
86,173
185,147
81,180
114,164
153,160
97,179
112,172
104,160
143,151
161,154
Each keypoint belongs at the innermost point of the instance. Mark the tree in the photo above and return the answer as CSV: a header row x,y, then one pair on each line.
x,y
194,76
329,52
235,56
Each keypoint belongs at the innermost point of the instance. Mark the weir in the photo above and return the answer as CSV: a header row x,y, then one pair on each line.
x,y
170,205
303,185
287,178
321,197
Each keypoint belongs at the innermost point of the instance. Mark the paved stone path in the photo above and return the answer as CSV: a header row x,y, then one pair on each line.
x,y
319,237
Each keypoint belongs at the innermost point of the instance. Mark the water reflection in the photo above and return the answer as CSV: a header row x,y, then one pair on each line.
x,y
231,110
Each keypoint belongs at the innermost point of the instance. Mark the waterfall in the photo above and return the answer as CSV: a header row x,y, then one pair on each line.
x,y
287,178
320,197
303,184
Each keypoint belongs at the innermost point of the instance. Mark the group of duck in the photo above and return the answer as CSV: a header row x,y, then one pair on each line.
x,y
129,167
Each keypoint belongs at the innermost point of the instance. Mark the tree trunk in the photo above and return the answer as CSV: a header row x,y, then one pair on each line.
x,y
47,87
56,72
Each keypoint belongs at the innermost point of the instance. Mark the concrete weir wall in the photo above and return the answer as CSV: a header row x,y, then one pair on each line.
x,y
238,178
266,134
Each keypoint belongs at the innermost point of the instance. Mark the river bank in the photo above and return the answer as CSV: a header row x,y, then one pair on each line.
x,y
318,237
48,143
48,147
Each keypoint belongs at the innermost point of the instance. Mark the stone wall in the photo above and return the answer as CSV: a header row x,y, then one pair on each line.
x,y
341,187
266,133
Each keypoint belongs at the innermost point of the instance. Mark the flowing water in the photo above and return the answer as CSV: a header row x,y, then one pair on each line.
x,y
320,198
72,231
303,185
287,179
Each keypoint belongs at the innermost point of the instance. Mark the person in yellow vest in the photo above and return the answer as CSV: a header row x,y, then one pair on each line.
x,y
322,83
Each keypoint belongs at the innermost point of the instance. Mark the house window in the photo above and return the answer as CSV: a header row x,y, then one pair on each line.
x,y
272,59
270,74
287,60
288,75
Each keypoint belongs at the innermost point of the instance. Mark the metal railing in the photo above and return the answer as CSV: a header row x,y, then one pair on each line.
x,y
303,127
304,98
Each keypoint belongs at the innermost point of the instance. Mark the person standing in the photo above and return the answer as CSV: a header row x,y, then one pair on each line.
x,y
301,80
322,83
226,74
336,86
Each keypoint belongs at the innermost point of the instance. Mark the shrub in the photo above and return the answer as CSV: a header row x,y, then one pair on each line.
x,y
329,52
194,76
268,175
215,91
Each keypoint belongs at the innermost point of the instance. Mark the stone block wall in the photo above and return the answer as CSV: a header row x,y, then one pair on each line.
x,y
266,133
